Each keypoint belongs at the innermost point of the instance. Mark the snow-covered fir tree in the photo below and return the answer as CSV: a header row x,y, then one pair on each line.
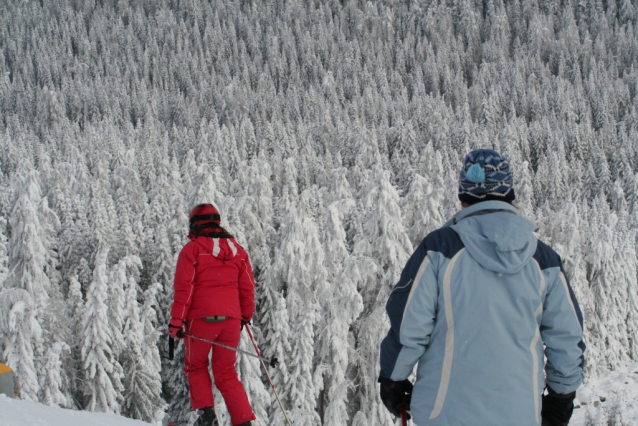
x,y
22,334
384,244
30,243
54,380
341,308
102,370
250,373
142,383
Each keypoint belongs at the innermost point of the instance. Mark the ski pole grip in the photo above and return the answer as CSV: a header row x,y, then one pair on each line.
x,y
171,348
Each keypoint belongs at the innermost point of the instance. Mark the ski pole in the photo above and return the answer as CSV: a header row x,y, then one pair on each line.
x,y
272,362
267,374
404,417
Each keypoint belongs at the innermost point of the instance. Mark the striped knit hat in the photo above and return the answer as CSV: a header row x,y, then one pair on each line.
x,y
486,175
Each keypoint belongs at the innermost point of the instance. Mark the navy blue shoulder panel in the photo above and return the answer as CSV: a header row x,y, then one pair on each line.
x,y
546,256
445,241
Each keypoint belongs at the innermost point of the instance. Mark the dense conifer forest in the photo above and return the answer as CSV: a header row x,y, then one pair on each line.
x,y
330,135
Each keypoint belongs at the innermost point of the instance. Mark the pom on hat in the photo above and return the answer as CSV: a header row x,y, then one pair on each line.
x,y
486,175
475,174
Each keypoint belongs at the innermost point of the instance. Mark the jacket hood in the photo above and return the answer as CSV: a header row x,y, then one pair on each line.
x,y
221,248
496,236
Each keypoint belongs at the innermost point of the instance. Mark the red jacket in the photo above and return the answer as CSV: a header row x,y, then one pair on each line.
x,y
213,277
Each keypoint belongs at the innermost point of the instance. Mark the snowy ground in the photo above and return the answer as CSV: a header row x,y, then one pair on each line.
x,y
15,412
618,389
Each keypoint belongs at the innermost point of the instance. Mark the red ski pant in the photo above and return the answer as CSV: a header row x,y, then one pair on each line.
x,y
223,364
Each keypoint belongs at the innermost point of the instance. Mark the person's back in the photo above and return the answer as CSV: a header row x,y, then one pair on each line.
x,y
483,363
213,300
9,384
475,304
215,288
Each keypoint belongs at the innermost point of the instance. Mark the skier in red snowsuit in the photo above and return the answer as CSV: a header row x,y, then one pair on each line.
x,y
214,298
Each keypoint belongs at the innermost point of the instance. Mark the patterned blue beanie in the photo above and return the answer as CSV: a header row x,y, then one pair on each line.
x,y
486,175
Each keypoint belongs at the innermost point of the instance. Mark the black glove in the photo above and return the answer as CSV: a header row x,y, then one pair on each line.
x,y
557,408
175,329
396,395
243,323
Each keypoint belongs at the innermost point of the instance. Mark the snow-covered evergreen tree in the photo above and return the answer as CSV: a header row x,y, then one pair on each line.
x,y
251,375
142,363
116,300
342,306
55,377
422,208
75,313
103,372
302,273
21,335
384,244
610,311
277,337
30,243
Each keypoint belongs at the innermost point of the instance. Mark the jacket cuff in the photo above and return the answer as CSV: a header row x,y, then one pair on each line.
x,y
176,322
552,393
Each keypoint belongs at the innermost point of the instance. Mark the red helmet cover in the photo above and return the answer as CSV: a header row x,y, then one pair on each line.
x,y
203,213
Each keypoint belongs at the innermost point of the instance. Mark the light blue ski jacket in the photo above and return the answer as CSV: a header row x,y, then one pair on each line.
x,y
478,305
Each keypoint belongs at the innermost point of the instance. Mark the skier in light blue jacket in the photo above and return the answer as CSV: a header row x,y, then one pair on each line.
x,y
479,305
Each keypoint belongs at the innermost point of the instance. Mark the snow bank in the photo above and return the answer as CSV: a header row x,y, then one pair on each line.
x,y
17,412
611,399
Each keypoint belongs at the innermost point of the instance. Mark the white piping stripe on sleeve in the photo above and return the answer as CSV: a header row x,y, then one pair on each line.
x,y
246,269
403,286
449,339
569,296
190,295
216,247
417,280
232,247
539,310
532,348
